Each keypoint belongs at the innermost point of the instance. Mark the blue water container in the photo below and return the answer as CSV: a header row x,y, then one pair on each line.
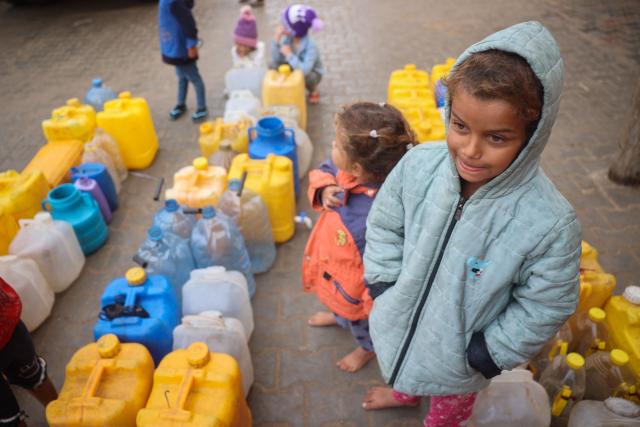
x,y
140,308
172,219
440,93
216,240
272,137
99,173
67,203
168,255
97,95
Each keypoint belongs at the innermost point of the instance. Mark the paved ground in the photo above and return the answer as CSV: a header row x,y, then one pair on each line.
x,y
51,53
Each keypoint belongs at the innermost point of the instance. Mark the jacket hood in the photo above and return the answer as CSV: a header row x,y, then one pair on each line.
x,y
532,41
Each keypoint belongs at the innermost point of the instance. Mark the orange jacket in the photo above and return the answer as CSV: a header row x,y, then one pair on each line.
x,y
332,265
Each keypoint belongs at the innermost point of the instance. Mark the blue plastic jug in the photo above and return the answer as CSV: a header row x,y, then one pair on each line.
x,y
140,308
99,173
168,255
217,241
66,203
440,93
97,95
172,219
273,137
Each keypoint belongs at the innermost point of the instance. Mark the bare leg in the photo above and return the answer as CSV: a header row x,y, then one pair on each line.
x,y
45,392
355,360
382,397
322,318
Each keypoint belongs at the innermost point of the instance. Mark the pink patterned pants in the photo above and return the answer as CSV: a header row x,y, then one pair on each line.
x,y
444,411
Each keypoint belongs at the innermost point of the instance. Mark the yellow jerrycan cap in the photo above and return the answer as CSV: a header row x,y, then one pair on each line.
x,y
619,357
632,294
284,69
108,346
410,67
206,128
597,314
124,95
136,276
201,163
198,354
73,102
575,361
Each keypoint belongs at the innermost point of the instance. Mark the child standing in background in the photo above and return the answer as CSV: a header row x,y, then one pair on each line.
x,y
248,51
370,140
292,45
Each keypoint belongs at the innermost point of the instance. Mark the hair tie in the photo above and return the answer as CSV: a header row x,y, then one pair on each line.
x,y
382,104
373,134
410,146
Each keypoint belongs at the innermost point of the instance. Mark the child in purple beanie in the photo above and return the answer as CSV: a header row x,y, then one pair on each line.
x,y
292,45
248,51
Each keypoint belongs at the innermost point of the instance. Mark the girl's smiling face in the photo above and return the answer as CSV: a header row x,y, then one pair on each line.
x,y
485,136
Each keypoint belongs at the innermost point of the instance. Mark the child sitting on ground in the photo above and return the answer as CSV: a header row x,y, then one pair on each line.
x,y
248,51
472,255
370,140
292,45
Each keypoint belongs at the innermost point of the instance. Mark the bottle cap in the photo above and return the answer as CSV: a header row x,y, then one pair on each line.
x,y
575,361
619,357
171,205
155,233
208,212
73,102
136,276
632,294
284,69
198,354
108,346
44,217
124,95
597,314
201,163
206,127
234,184
410,67
96,82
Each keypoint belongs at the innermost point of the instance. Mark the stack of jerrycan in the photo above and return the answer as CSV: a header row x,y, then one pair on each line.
x,y
251,216
225,334
242,101
99,173
37,297
217,289
557,346
623,318
213,133
596,286
216,240
194,387
20,197
513,398
172,219
67,203
106,384
128,121
245,79
53,246
285,87
140,308
98,94
438,72
612,412
273,138
609,375
564,381
272,179
198,185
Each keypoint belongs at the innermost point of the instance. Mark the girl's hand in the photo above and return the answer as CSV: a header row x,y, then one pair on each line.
x,y
280,32
285,50
329,199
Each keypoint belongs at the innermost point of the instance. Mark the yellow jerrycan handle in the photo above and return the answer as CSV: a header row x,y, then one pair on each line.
x,y
559,349
561,400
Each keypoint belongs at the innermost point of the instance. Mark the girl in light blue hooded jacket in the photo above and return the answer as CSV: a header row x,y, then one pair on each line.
x,y
472,255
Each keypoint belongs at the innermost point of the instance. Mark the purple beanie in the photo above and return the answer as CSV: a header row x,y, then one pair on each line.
x,y
246,32
298,18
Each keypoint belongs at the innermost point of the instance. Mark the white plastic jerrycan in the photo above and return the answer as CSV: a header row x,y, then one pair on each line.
x,y
304,147
613,412
245,101
221,334
215,288
513,398
23,275
53,246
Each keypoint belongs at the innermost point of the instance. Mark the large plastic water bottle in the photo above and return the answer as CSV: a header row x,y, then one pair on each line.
x,y
609,375
98,94
612,412
591,332
172,219
564,381
557,346
216,240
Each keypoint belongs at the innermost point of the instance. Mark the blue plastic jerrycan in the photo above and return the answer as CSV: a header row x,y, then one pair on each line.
x,y
216,240
272,137
168,255
97,95
99,173
140,308
172,219
67,203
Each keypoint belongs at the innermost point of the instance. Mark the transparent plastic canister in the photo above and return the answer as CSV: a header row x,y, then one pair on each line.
x,y
512,398
194,387
103,140
172,219
557,346
245,78
223,156
304,147
212,133
564,381
198,185
128,120
224,334
272,179
36,294
53,246
216,240
251,216
95,154
409,77
613,412
245,101
73,121
623,318
217,289
21,193
285,87
609,375
98,94
55,159
106,384
283,112
590,332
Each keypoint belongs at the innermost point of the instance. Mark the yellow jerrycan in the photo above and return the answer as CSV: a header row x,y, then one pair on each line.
x,y
595,289
427,124
8,230
198,185
55,159
22,193
272,179
441,70
410,77
74,121
589,259
212,133
285,87
412,98
194,387
623,319
106,384
128,121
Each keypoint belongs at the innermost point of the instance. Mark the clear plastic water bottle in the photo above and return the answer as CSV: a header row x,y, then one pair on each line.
x,y
172,219
564,380
216,240
97,95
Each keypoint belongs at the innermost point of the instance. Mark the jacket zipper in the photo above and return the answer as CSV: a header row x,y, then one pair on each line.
x,y
423,300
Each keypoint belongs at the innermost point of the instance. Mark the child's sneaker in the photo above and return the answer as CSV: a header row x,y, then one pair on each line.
x,y
200,114
314,97
177,111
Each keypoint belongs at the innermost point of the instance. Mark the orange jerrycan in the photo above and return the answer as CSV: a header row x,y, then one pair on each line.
x,y
55,159
194,387
212,133
128,121
74,121
198,185
22,193
623,319
408,78
272,179
441,70
106,384
285,87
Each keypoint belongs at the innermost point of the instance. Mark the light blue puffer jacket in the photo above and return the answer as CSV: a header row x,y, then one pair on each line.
x,y
505,272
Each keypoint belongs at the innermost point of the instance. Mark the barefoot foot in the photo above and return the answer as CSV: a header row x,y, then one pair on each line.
x,y
355,360
322,318
382,397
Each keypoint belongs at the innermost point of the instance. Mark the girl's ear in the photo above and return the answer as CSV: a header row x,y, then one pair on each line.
x,y
357,170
